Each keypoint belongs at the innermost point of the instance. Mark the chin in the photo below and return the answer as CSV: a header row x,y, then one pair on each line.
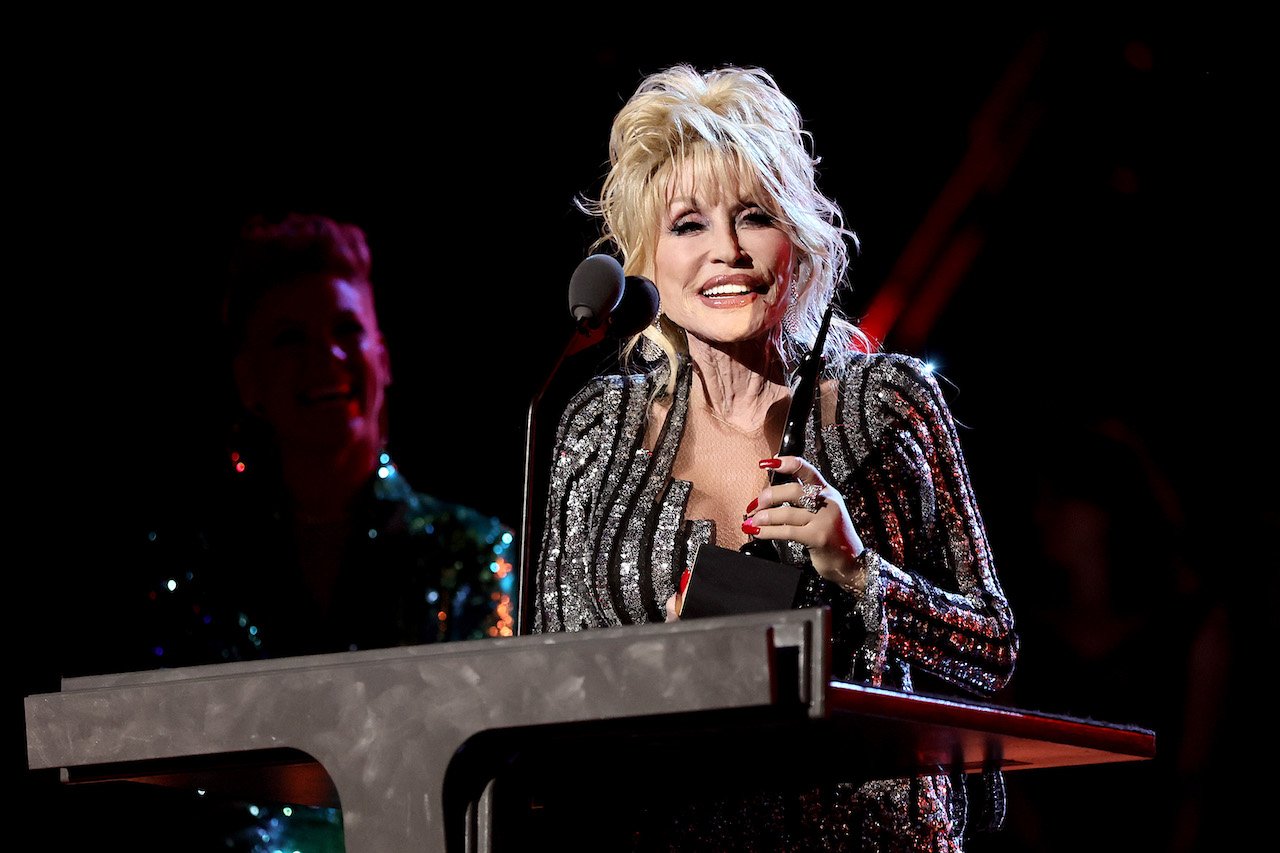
x,y
733,334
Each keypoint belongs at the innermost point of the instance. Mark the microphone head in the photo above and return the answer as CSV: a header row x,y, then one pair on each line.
x,y
636,309
595,289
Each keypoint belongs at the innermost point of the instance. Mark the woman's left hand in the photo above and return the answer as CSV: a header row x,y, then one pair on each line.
x,y
814,515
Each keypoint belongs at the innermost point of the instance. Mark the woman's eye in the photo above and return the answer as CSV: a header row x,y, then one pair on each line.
x,y
349,328
757,216
687,226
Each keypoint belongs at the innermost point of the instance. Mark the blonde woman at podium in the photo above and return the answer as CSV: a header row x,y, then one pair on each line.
x,y
711,194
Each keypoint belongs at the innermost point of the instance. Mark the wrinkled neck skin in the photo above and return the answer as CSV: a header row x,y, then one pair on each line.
x,y
324,487
740,381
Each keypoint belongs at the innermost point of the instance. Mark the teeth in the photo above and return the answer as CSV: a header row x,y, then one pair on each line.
x,y
726,290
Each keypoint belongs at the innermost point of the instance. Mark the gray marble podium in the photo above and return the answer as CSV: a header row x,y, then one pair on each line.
x,y
390,735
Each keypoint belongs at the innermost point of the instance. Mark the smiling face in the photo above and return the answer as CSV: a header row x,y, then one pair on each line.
x,y
314,367
721,262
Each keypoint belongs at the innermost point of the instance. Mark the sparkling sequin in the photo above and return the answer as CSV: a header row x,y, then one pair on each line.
x,y
931,602
226,588
241,596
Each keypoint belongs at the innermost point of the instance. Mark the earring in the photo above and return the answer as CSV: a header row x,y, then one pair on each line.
x,y
649,349
791,319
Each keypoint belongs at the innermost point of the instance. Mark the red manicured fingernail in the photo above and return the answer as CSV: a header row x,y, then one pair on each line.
x,y
771,463
749,528
684,580
751,507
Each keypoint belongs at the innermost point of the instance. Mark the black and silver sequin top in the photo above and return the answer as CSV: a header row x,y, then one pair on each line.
x,y
413,569
616,541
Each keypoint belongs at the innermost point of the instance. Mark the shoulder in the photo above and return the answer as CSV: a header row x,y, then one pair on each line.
x,y
602,402
883,393
884,376
602,389
425,514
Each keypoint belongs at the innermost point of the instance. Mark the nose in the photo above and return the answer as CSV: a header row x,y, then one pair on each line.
x,y
327,349
728,249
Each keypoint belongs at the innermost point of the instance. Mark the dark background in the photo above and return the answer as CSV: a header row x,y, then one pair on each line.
x,y
1065,209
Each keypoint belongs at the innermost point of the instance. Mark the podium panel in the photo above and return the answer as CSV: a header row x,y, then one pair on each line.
x,y
407,740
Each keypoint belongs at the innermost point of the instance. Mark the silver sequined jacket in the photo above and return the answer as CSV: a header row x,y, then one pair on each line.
x,y
616,538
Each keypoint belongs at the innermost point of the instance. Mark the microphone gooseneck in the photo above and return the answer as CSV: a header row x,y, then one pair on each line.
x,y
603,302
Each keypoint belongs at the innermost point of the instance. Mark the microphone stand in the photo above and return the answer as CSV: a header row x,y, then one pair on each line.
x,y
585,335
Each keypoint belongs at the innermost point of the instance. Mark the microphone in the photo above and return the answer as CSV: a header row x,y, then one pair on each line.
x,y
600,295
595,289
637,308
603,302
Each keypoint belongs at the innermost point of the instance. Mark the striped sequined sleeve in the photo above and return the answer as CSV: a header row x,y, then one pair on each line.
x,y
933,600
561,568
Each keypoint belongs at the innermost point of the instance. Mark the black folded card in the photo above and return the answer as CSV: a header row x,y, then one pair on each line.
x,y
725,582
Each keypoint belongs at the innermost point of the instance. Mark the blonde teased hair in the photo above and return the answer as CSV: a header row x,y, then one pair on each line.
x,y
731,125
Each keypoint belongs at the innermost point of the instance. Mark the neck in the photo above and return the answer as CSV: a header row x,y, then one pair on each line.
x,y
739,383
324,486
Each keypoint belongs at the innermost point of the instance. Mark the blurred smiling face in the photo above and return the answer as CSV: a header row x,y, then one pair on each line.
x,y
314,365
721,262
